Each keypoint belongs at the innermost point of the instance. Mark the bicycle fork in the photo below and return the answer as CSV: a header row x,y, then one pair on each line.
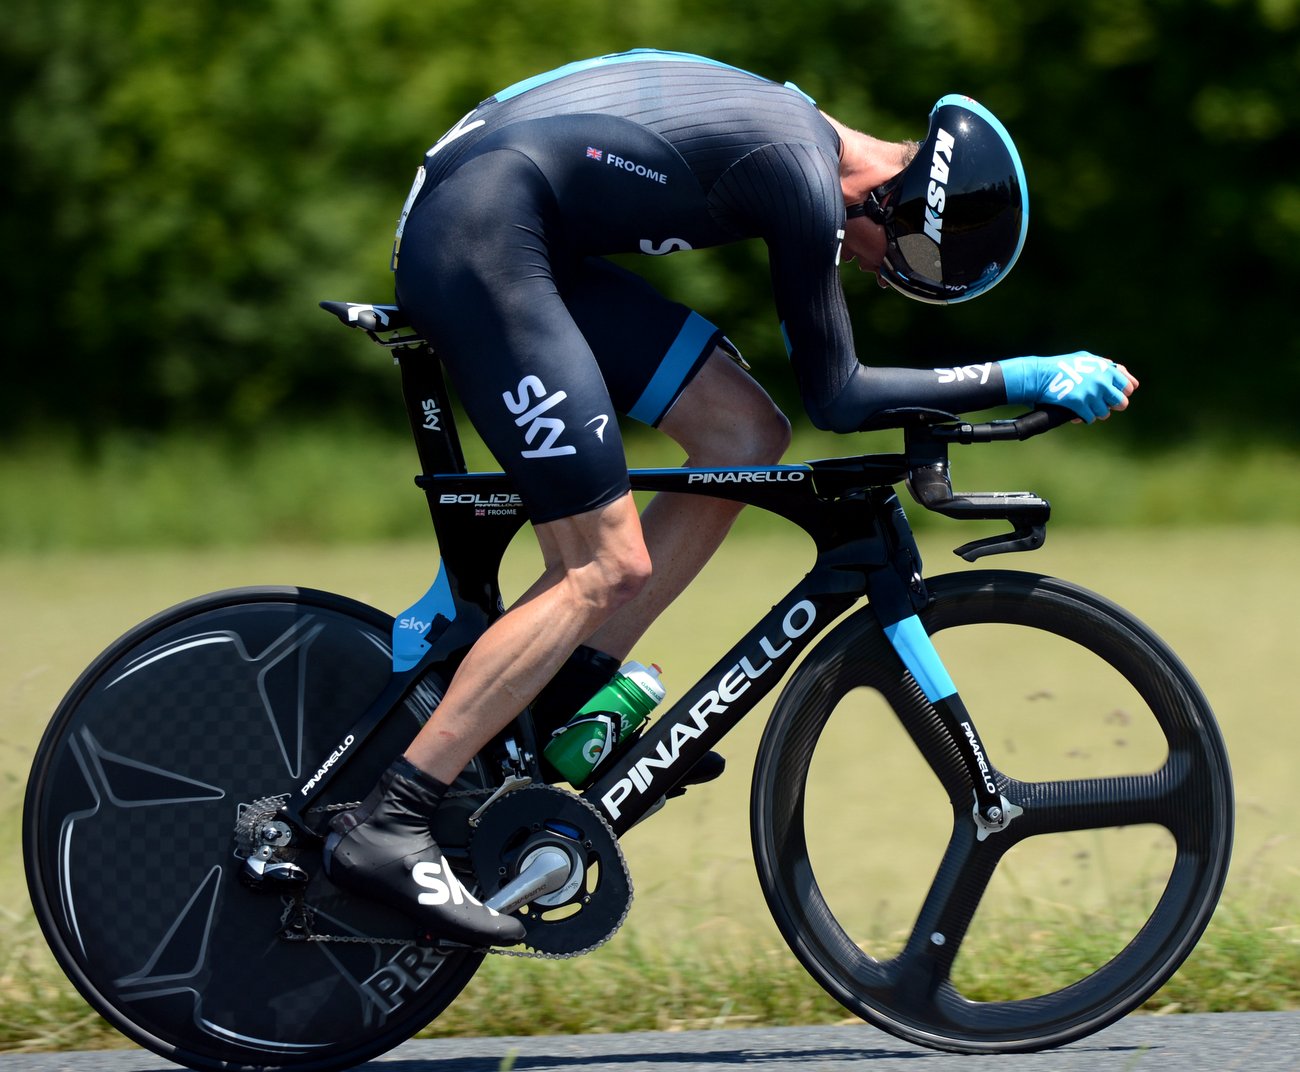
x,y
896,603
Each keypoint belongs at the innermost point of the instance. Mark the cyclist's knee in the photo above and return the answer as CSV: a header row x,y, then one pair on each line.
x,y
601,556
726,418
609,581
771,436
630,575
759,433
762,439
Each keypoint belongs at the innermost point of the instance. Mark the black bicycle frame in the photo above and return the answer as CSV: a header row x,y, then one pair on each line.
x,y
848,506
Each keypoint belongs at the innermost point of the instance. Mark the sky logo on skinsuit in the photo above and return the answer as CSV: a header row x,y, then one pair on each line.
x,y
530,417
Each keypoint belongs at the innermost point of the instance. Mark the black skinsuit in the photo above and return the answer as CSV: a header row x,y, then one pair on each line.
x,y
503,237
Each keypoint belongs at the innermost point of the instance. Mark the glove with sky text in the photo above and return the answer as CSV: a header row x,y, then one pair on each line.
x,y
1088,385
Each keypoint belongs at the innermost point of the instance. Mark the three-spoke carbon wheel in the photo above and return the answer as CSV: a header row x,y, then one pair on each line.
x,y
128,835
946,934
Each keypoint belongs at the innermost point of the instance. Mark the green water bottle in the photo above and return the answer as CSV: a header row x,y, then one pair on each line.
x,y
607,718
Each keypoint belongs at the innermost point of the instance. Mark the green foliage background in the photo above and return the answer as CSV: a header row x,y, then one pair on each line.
x,y
184,181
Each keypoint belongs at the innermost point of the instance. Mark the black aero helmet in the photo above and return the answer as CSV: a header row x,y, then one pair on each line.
x,y
955,218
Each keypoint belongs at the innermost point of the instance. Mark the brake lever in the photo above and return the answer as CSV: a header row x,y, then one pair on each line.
x,y
1025,538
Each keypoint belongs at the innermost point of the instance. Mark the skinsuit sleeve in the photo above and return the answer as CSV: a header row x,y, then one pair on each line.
x,y
790,195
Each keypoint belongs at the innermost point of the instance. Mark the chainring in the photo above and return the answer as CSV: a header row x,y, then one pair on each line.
x,y
514,825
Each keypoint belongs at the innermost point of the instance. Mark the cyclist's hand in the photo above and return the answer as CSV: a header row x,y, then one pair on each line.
x,y
1084,383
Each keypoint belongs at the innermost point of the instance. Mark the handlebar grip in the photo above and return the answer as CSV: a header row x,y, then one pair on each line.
x,y
1027,425
1043,419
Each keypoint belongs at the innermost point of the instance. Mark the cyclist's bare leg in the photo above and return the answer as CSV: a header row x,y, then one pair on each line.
x,y
597,586
595,563
384,848
723,418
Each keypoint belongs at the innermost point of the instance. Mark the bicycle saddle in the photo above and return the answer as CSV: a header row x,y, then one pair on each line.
x,y
368,317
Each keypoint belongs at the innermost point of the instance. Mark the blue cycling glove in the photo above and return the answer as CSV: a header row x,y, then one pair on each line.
x,y
1084,383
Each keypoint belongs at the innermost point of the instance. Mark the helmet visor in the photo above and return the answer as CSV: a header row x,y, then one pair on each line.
x,y
896,271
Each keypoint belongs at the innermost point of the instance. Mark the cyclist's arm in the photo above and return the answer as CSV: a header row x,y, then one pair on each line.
x,y
841,394
1088,385
790,194
871,391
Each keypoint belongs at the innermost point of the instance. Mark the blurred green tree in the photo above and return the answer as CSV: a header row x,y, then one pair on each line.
x,y
185,181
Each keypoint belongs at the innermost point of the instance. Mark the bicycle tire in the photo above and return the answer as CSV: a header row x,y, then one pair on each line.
x,y
128,835
910,987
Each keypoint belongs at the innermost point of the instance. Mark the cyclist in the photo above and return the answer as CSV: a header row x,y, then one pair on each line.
x,y
499,263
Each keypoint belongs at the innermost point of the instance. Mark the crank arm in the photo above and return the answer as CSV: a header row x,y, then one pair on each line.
x,y
548,871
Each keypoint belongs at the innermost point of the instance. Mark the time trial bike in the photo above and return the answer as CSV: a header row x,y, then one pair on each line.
x,y
177,802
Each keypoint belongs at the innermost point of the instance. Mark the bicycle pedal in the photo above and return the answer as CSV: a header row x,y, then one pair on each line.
x,y
439,944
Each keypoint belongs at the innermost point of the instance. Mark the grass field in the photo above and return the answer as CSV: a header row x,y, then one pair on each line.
x,y
1224,598
338,485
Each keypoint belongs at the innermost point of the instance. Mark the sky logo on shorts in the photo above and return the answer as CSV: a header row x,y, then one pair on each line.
x,y
529,416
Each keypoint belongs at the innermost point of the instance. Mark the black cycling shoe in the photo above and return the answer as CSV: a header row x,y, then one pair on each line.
x,y
384,850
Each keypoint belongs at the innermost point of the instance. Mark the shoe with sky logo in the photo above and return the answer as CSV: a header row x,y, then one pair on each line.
x,y
384,850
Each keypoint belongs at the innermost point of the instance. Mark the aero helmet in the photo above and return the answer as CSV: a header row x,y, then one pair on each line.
x,y
955,217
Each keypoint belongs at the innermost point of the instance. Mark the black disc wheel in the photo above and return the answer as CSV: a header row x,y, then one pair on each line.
x,y
149,765
925,922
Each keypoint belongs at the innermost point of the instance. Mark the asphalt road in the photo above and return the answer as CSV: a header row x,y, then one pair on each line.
x,y
1259,1042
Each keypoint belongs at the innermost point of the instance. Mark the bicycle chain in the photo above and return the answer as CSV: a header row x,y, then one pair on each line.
x,y
500,951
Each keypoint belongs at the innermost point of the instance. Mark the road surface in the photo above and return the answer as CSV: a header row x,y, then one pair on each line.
x,y
1258,1042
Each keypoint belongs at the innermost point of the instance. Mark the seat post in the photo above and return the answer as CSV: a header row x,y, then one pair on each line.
x,y
428,408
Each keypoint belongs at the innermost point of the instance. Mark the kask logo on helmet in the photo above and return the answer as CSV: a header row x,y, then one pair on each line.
x,y
936,194
966,182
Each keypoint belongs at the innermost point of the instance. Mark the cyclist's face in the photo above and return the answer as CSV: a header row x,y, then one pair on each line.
x,y
864,242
